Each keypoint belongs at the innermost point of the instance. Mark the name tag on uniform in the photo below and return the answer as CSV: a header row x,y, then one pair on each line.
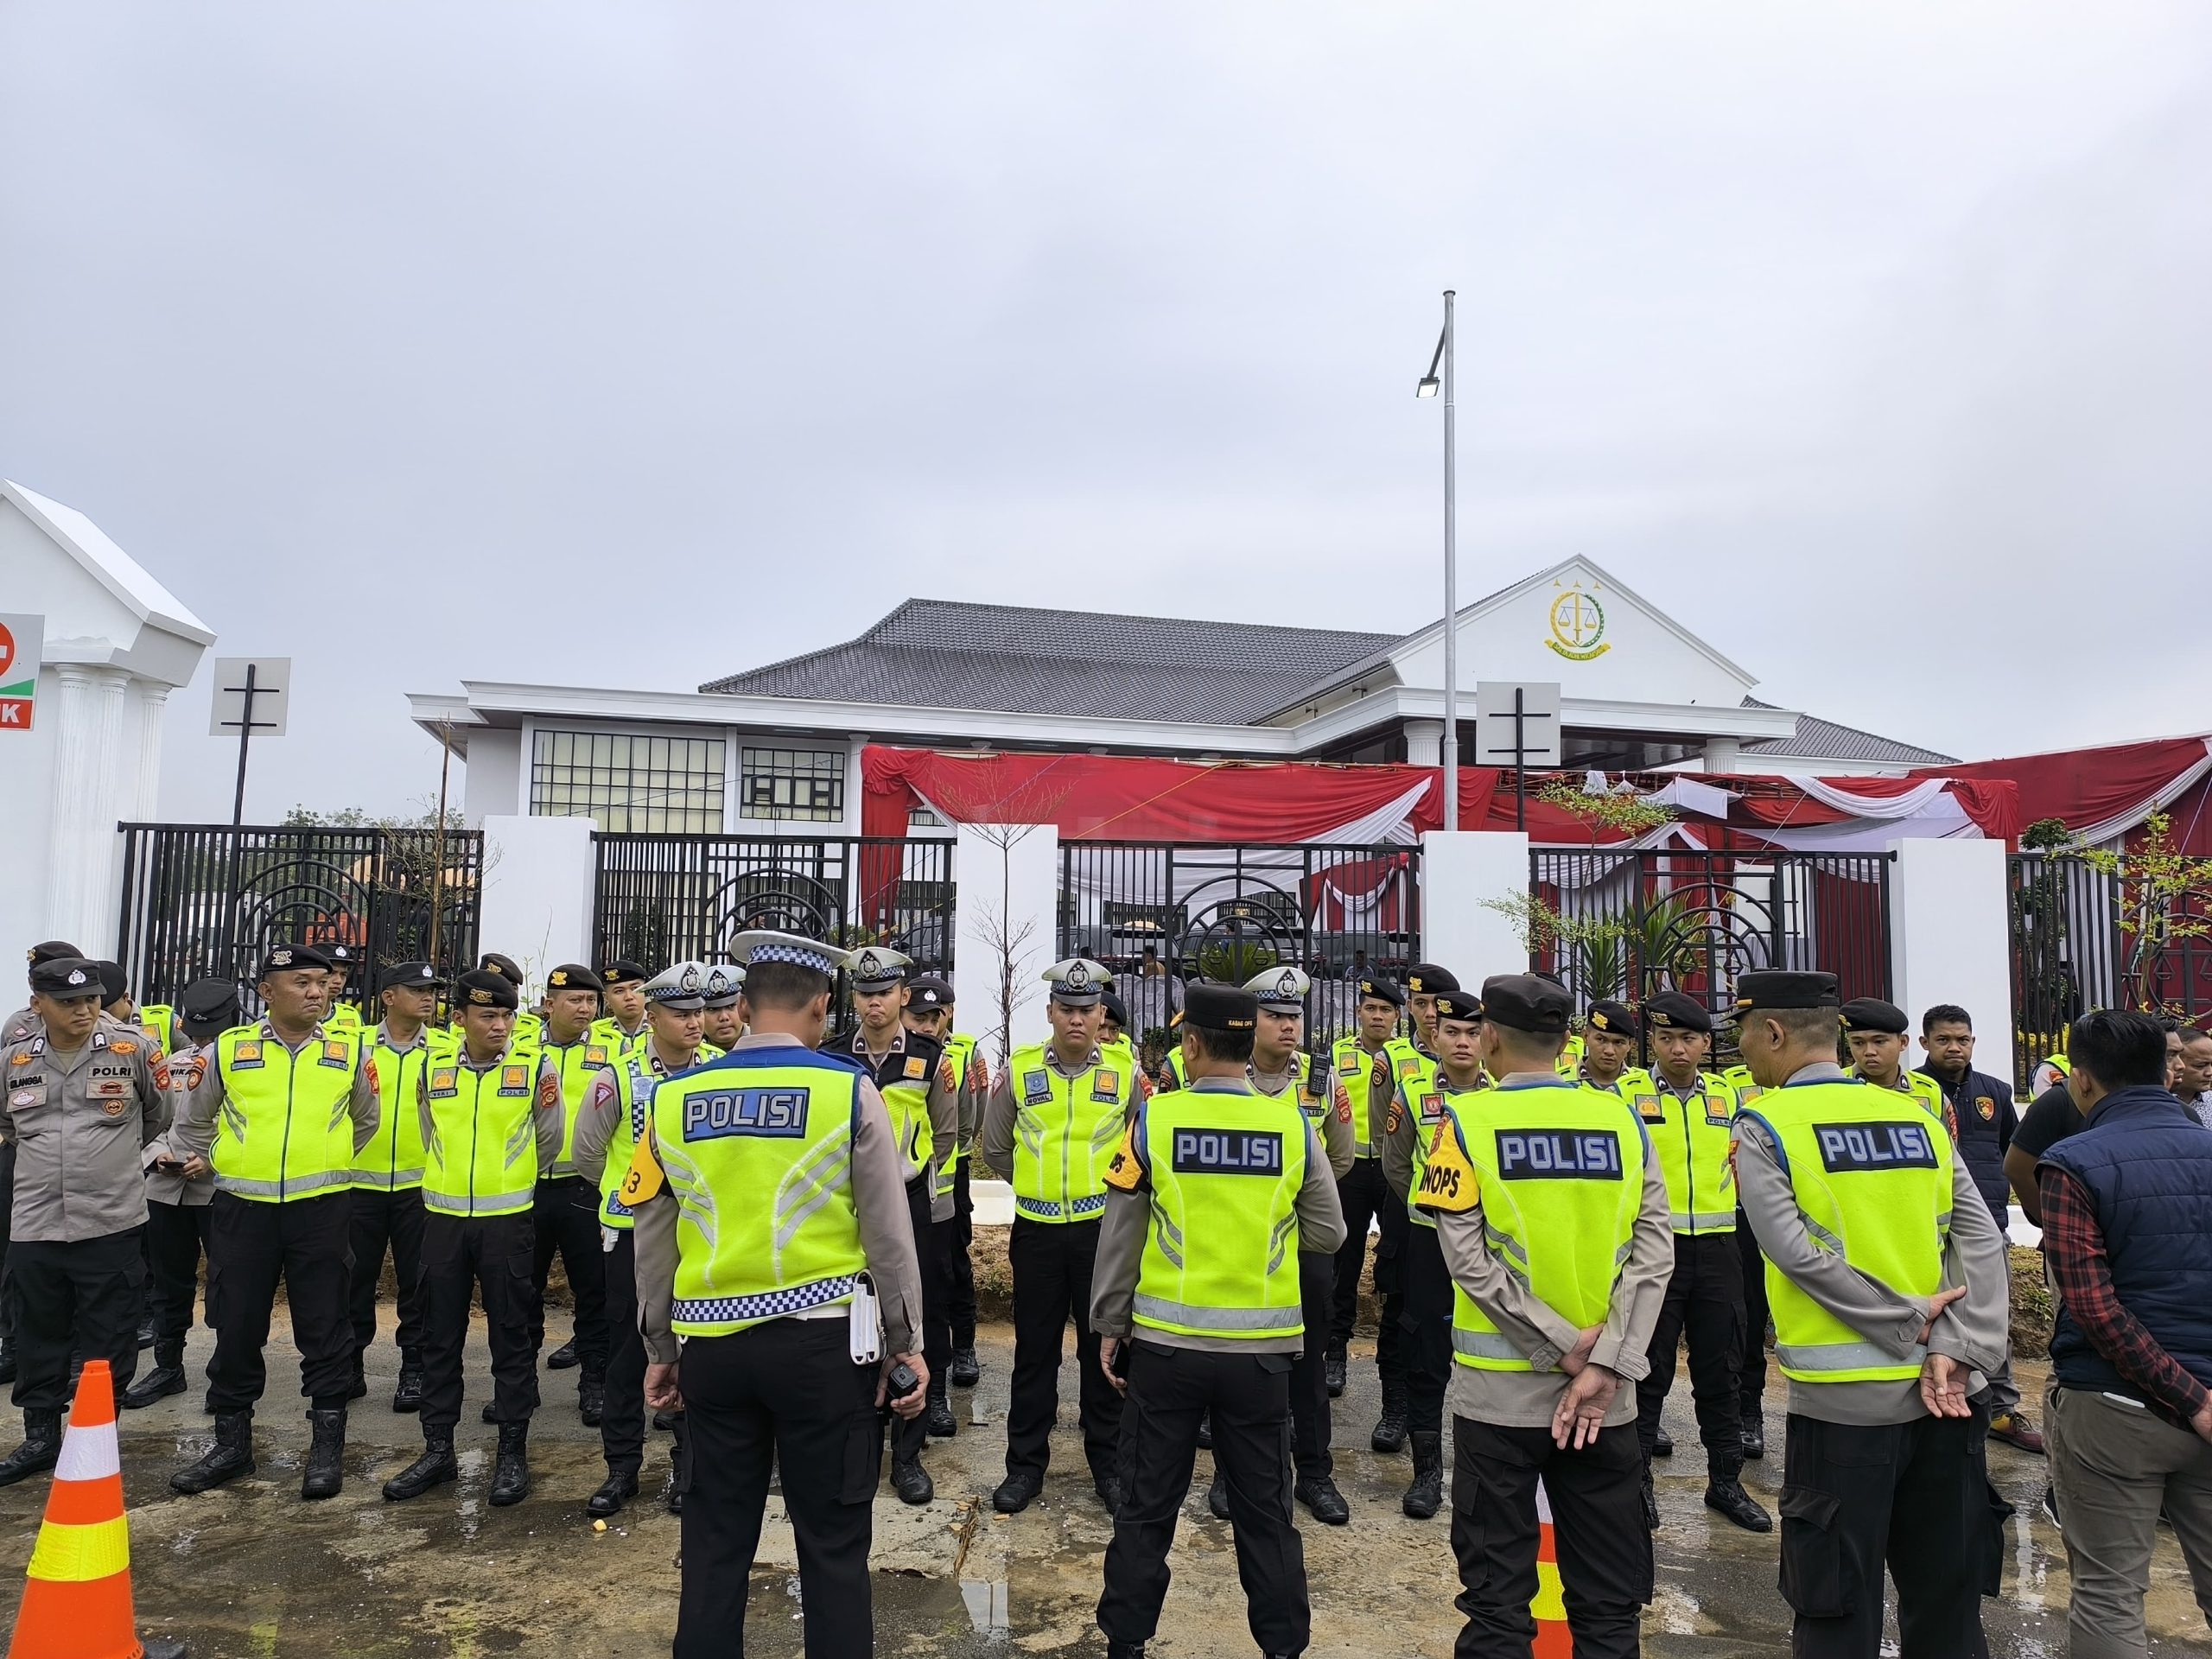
x,y
1036,1088
1227,1151
773,1112
1106,1085
1559,1156
514,1079
444,1080
1874,1145
246,1056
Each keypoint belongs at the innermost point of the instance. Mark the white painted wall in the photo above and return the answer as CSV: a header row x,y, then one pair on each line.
x,y
1007,909
1461,869
537,892
1949,938
492,788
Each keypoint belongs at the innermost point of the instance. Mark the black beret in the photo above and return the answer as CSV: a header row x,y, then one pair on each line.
x,y
574,977
404,975
506,966
342,957
55,950
114,981
1116,1010
68,978
623,972
1425,978
1459,1005
1872,1013
1220,1007
1616,1018
928,992
1674,1011
1375,985
209,1002
288,958
1778,987
481,988
1527,1002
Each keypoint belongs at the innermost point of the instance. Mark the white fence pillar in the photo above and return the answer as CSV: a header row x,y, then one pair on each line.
x,y
1006,921
1466,873
1950,938
539,877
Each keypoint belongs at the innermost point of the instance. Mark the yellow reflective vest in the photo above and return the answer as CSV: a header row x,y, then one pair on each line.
x,y
285,1131
1352,1070
1066,1132
480,1156
577,1063
392,1159
1425,1096
1693,1138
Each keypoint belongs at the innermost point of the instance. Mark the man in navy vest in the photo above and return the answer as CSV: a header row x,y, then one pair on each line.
x,y
2127,1230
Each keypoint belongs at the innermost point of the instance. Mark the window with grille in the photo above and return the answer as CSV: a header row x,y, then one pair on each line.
x,y
801,783
660,784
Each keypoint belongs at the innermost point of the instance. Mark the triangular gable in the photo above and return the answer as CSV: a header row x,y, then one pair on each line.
x,y
124,577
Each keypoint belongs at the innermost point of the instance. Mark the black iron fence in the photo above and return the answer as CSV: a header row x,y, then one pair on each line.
x,y
1626,923
1226,912
660,899
205,901
2091,935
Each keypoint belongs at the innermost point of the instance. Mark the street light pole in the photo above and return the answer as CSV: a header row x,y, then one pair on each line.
x,y
1429,388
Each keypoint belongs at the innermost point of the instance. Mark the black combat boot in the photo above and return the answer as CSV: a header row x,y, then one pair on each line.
x,y
1390,1433
1662,1444
40,1449
591,1399
1217,1495
408,1396
1426,1496
510,1473
565,1357
1332,1372
434,1468
965,1372
911,1481
230,1456
326,1469
1754,1436
165,1379
1723,1490
618,1489
1318,1494
941,1425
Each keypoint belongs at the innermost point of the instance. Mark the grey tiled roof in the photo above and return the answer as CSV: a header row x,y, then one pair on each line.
x,y
935,654
1823,740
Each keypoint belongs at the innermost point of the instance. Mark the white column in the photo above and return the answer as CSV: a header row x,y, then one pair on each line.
x,y
1006,928
88,735
539,877
1950,938
1722,753
1424,743
1466,875
146,789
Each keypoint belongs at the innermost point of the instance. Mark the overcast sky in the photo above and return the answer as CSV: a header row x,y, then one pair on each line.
x,y
631,345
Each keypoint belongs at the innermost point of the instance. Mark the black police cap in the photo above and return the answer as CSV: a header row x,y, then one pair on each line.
x,y
574,977
113,980
1527,1002
1459,1005
1872,1013
1617,1019
623,972
54,950
1116,1010
208,1002
1781,987
1426,979
1382,988
481,988
290,958
1674,1011
68,978
1219,1007
410,975
506,966
930,991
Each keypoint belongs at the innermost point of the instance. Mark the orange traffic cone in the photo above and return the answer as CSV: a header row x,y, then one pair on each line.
x,y
1552,1639
77,1604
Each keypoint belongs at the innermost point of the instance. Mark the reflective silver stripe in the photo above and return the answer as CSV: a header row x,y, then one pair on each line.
x,y
1484,1344
461,1203
1163,1312
1366,1150
1701,1220
387,1179
296,1187
1821,1235
1846,1357
558,1168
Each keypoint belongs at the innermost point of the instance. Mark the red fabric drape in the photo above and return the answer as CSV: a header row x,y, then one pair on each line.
x,y
2084,787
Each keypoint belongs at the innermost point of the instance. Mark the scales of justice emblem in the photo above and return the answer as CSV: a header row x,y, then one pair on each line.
x,y
1577,625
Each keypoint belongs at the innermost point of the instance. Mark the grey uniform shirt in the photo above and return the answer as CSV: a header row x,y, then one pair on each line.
x,y
945,1119
1127,1223
194,1131
879,1203
1972,1330
1335,1127
1528,1399
79,1121
545,1112
999,1116
186,1068
601,1112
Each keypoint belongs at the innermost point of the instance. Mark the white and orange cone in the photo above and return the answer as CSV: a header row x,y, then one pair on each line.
x,y
1552,1639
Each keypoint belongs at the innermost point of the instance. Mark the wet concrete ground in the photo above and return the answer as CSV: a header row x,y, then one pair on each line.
x,y
252,1572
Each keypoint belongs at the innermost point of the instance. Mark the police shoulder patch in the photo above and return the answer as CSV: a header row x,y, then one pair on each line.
x,y
1448,1182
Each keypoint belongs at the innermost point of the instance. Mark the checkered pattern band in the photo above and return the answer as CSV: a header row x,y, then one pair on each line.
x,y
792,953
1050,1210
771,1305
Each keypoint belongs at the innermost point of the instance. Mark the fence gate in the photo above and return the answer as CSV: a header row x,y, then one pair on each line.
x,y
1159,912
660,899
205,901
1627,924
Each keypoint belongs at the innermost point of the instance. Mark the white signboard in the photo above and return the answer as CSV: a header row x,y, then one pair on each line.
x,y
1538,725
271,680
21,640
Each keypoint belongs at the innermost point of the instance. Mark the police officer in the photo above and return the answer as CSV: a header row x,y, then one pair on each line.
x,y
564,1215
719,1024
1877,1034
917,1091
1193,1281
490,1117
929,1011
1416,1111
784,1168
83,1101
530,1026
1610,1031
1280,1069
281,1115
1362,1079
1688,1115
607,1127
343,1015
387,1207
1885,1455
1551,1211
23,1023
1051,1129
178,1210
623,1025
